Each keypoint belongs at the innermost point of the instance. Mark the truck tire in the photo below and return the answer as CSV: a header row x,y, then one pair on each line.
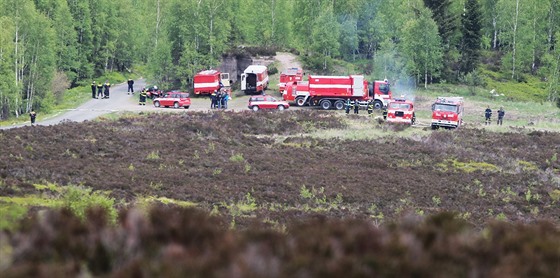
x,y
325,104
434,127
339,105
300,101
377,104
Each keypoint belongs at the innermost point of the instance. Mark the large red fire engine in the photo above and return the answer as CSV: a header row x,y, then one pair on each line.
x,y
447,112
333,91
401,110
208,81
254,79
289,75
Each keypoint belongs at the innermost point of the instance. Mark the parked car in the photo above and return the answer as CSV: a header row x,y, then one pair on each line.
x,y
173,98
267,102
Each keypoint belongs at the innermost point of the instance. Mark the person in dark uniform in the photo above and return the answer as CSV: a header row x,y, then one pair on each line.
x,y
106,87
501,114
213,100
33,116
348,106
356,107
130,86
93,89
384,112
487,115
370,107
143,96
99,90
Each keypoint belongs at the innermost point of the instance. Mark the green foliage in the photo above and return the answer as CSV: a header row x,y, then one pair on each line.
x,y
79,199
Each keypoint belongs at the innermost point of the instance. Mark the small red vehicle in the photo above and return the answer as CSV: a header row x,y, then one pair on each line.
x,y
266,102
447,112
176,99
400,110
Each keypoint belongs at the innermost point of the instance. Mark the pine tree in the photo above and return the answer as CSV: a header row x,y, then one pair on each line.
x,y
471,26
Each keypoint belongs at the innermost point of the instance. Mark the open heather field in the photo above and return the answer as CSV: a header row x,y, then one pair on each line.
x,y
291,172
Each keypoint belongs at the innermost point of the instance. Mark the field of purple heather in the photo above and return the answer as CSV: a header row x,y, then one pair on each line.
x,y
254,171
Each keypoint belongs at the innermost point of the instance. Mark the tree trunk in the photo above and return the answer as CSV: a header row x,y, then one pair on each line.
x,y
158,19
514,38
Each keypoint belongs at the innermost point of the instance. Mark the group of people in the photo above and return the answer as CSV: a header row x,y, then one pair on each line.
x,y
219,99
356,106
488,115
99,90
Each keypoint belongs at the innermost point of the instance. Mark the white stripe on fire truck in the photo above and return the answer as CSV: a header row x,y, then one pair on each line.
x,y
206,85
326,86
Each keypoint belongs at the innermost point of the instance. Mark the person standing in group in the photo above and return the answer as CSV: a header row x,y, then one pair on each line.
x,y
487,115
33,116
348,105
93,89
99,90
106,87
370,107
501,114
226,99
356,107
130,89
213,98
143,96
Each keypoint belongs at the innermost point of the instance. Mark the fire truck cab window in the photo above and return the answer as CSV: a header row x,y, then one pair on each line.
x,y
403,106
384,88
443,107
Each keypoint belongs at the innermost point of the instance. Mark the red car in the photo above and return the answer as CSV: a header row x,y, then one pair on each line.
x,y
267,102
174,98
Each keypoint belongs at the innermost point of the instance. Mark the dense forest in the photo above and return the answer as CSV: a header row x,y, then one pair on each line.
x,y
47,46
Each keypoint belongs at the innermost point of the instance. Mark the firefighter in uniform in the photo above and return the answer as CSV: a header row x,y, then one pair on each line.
x,y
356,107
130,89
501,114
384,112
370,107
487,115
348,105
143,96
93,89
99,90
106,87
213,100
33,116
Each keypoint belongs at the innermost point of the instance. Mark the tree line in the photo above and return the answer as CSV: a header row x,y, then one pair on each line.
x,y
47,46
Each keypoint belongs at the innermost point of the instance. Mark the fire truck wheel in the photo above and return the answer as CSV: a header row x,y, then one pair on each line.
x,y
281,107
377,104
300,101
434,127
157,104
176,105
326,104
339,105
255,108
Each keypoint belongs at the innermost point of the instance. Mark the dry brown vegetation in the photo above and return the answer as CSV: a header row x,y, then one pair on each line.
x,y
255,171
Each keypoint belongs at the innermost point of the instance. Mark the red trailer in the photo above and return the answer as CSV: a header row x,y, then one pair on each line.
x,y
254,79
333,91
208,81
289,75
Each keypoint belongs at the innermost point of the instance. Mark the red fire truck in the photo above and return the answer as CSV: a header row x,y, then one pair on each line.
x,y
254,79
208,81
447,112
401,110
333,91
289,75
